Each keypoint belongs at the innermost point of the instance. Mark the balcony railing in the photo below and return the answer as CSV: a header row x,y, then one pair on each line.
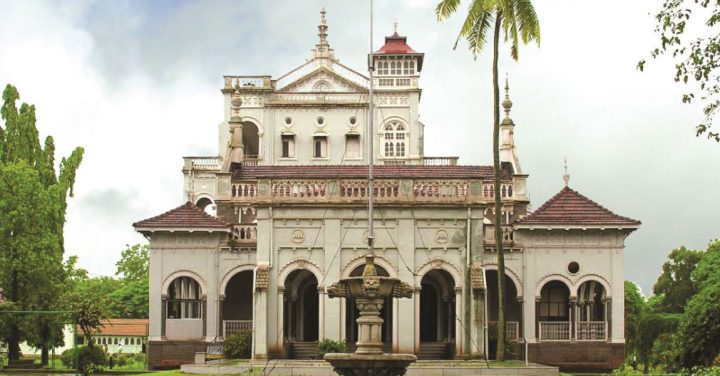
x,y
231,327
244,233
440,161
591,331
244,190
202,163
554,331
512,329
248,82
507,234
506,190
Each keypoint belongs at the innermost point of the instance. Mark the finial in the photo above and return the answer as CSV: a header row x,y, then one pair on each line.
x,y
323,21
322,29
566,177
507,103
395,26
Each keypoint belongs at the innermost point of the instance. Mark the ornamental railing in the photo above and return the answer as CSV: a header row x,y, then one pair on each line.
x,y
591,331
512,329
231,327
554,331
202,163
244,233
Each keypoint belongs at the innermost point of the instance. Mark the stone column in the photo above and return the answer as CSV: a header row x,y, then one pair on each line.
x,y
369,326
608,318
163,316
204,316
416,298
459,329
260,318
221,318
407,309
573,317
280,318
321,312
537,317
521,323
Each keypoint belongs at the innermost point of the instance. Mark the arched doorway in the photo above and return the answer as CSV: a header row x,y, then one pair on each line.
x,y
207,205
301,322
352,313
591,312
237,308
251,140
513,316
553,312
437,315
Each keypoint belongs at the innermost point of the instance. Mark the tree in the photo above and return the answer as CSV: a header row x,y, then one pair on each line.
x,y
696,58
518,22
635,307
134,264
649,328
33,201
698,336
675,283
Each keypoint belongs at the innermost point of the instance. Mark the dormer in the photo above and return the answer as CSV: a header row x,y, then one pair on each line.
x,y
397,65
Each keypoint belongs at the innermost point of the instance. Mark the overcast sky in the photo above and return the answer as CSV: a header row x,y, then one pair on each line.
x,y
137,83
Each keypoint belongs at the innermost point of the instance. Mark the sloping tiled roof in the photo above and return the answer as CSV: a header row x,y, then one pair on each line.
x,y
569,207
121,327
395,44
184,216
361,172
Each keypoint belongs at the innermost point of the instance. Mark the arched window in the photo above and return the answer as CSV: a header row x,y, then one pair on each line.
x,y
395,139
184,299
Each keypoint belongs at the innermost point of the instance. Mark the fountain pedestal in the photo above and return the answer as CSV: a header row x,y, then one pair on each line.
x,y
370,292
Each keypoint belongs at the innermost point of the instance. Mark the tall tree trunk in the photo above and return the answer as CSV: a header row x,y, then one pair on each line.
x,y
44,355
14,340
500,355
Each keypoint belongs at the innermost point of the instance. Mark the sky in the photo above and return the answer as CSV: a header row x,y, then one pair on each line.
x,y
137,84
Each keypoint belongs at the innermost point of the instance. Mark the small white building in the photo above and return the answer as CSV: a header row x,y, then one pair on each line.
x,y
287,196
127,336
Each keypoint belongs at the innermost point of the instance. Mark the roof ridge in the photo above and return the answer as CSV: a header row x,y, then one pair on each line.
x,y
190,208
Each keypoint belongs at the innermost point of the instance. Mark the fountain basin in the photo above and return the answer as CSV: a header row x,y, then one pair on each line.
x,y
370,364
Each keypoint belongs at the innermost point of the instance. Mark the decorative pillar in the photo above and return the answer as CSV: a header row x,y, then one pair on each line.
x,y
163,310
262,278
204,316
237,152
608,317
573,317
458,322
280,318
221,316
321,312
521,322
537,317
416,297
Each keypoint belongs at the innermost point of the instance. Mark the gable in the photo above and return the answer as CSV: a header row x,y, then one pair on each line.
x,y
322,79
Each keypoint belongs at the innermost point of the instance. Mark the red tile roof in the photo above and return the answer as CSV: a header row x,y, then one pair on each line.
x,y
569,207
395,44
122,327
185,216
361,172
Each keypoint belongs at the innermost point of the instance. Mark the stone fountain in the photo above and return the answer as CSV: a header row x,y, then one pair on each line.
x,y
370,292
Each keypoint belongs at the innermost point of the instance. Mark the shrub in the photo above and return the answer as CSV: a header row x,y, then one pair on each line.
x,y
329,346
238,346
139,358
700,371
91,359
3,360
67,358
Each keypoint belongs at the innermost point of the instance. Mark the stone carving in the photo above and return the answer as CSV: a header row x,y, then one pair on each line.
x,y
262,277
297,236
442,237
402,290
338,290
477,280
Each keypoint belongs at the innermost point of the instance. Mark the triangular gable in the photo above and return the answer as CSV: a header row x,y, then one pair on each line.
x,y
322,79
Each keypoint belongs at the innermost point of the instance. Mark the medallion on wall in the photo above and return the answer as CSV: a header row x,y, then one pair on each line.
x,y
442,237
297,236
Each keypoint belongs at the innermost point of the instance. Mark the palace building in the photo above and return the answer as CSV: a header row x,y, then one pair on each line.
x,y
280,213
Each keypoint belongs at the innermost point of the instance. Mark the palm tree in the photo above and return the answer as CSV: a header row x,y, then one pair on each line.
x,y
517,21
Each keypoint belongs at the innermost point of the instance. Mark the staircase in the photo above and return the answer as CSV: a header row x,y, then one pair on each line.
x,y
433,350
304,350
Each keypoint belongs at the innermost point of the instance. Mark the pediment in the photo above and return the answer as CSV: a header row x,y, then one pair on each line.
x,y
321,80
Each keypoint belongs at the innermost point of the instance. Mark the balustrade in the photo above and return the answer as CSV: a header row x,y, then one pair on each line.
x,y
202,163
506,190
512,329
591,331
231,327
440,189
359,189
247,82
440,161
300,189
243,190
554,331
244,233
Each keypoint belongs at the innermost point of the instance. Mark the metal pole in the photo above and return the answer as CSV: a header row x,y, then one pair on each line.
x,y
371,129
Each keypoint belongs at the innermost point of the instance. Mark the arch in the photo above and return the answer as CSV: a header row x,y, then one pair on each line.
x,y
322,86
231,273
206,203
438,264
555,277
255,121
510,274
354,263
300,264
592,277
184,273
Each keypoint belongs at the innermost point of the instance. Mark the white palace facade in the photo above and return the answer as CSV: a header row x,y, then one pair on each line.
x,y
280,213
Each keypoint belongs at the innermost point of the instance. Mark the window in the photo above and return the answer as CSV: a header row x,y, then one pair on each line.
x,y
352,146
395,139
184,299
554,302
288,146
320,147
115,341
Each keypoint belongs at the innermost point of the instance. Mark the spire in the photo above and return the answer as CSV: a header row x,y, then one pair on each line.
x,y
507,104
322,49
395,27
566,176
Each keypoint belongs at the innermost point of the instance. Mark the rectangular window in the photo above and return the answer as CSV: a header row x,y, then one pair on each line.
x,y
288,146
320,147
352,146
